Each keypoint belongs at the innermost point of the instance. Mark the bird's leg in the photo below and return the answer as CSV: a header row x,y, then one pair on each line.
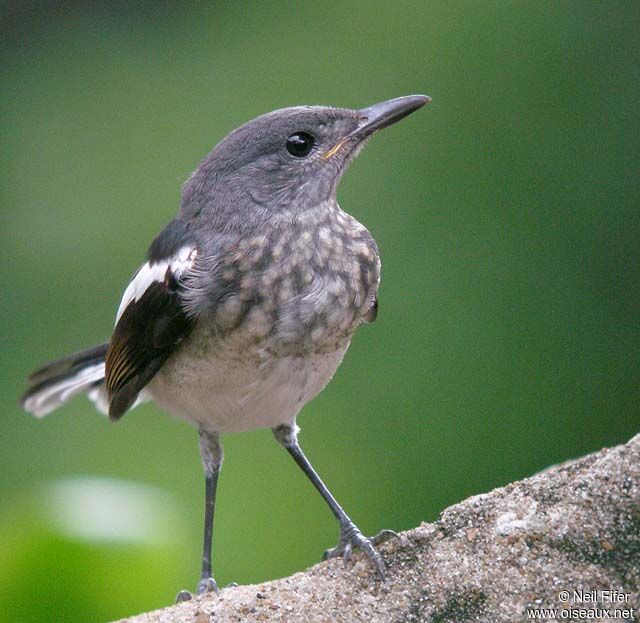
x,y
350,535
212,454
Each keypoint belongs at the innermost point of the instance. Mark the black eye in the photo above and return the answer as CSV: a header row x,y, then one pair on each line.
x,y
300,144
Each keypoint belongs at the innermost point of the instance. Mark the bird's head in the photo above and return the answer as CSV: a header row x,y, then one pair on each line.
x,y
290,159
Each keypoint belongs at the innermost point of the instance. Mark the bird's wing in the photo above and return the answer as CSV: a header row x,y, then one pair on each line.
x,y
372,313
151,322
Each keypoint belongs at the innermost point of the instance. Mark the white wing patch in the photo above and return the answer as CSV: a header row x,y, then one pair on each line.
x,y
156,272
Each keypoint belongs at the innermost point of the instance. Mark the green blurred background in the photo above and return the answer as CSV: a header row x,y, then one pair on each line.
x,y
507,214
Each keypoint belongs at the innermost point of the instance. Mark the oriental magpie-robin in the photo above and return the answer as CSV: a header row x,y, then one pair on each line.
x,y
248,299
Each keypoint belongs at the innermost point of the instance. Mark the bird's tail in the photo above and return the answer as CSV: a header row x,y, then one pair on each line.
x,y
61,380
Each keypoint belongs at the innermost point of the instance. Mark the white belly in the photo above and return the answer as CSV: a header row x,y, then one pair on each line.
x,y
237,387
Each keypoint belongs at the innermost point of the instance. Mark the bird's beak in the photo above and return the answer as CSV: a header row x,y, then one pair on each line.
x,y
379,116
384,114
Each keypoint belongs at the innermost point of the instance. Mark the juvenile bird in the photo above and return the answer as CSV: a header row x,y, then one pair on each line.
x,y
248,299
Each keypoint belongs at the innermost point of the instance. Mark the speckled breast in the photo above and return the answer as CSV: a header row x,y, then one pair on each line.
x,y
301,287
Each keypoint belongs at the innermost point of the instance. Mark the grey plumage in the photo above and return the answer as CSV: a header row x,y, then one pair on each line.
x,y
249,297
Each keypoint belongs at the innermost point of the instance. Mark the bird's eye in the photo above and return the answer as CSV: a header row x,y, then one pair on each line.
x,y
300,144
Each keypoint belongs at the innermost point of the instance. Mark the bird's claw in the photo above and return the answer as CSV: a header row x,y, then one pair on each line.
x,y
351,537
206,585
184,595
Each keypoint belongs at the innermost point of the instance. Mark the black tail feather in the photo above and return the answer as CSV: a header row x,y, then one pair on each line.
x,y
60,380
69,364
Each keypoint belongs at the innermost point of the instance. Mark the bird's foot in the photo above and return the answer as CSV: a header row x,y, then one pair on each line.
x,y
206,585
184,595
351,537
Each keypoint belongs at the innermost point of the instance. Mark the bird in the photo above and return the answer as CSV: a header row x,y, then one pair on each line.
x,y
247,300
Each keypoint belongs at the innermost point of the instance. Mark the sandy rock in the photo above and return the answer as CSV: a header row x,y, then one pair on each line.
x,y
574,527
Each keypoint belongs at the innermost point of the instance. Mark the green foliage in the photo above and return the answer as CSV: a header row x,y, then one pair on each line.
x,y
506,213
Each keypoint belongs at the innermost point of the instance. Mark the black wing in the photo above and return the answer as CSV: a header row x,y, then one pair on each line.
x,y
151,323
372,312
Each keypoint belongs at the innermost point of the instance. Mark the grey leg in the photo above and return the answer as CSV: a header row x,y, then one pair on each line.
x,y
212,455
350,535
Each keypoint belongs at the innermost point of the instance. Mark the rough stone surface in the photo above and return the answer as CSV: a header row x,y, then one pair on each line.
x,y
573,527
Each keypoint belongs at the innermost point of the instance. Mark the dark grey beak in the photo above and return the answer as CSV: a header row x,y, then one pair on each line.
x,y
384,114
